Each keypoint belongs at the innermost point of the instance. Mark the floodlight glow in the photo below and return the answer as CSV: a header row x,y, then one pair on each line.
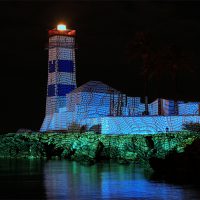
x,y
61,27
99,106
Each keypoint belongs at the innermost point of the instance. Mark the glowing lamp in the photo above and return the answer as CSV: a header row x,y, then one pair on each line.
x,y
61,27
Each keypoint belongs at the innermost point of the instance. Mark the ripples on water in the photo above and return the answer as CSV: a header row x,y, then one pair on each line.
x,y
61,180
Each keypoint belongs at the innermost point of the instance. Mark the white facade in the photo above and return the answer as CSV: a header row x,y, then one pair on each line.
x,y
96,104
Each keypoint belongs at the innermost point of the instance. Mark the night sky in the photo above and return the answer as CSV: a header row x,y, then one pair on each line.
x,y
105,32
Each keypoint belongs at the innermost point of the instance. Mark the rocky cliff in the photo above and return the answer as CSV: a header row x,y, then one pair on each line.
x,y
89,147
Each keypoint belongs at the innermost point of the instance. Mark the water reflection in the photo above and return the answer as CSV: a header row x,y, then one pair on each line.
x,y
21,179
60,180
69,180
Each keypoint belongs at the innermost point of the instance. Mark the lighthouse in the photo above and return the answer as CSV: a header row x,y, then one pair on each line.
x,y
61,71
98,106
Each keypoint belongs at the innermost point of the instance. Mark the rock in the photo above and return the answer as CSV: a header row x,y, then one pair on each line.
x,y
24,130
122,161
87,150
131,156
182,160
37,150
88,147
67,153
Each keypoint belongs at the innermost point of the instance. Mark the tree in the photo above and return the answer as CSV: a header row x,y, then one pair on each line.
x,y
141,51
172,61
158,61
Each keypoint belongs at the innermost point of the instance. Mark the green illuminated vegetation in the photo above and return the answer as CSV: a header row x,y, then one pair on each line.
x,y
88,148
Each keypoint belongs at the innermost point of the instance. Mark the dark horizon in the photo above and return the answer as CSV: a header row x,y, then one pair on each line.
x,y
105,31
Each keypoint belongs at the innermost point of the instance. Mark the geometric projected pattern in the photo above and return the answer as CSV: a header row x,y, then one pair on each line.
x,y
61,70
97,104
95,99
140,125
61,73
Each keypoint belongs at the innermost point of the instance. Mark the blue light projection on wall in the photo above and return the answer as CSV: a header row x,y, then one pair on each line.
x,y
51,90
63,89
51,66
61,71
97,104
65,66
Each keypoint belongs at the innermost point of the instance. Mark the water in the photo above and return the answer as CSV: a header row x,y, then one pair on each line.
x,y
61,180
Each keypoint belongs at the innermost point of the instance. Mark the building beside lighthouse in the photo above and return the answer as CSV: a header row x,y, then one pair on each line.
x,y
95,104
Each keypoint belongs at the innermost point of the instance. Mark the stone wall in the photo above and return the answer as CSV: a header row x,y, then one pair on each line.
x,y
140,125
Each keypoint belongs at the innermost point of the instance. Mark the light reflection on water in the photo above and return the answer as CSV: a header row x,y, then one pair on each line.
x,y
60,180
69,180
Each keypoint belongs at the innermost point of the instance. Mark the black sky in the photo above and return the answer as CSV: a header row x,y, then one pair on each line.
x,y
104,33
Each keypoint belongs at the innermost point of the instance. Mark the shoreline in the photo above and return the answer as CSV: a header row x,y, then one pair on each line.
x,y
156,151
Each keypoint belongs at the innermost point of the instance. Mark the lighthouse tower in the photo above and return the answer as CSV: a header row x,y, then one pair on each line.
x,y
61,73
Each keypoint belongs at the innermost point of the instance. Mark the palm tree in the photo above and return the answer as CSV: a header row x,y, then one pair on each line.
x,y
172,61
141,51
157,62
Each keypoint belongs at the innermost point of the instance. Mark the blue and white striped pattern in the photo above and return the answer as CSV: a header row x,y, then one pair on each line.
x,y
61,73
61,77
97,104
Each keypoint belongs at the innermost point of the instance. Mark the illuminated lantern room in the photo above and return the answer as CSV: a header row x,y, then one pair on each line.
x,y
61,27
97,105
61,69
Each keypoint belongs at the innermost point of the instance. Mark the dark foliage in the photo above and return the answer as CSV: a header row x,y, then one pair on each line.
x,y
193,127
